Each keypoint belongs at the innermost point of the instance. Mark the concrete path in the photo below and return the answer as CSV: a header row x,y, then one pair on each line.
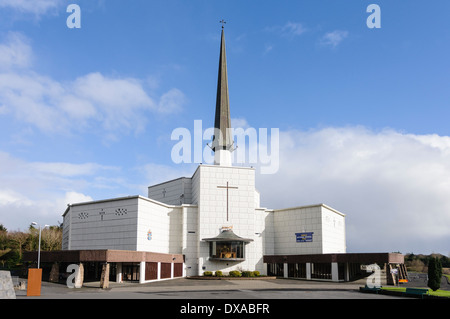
x,y
184,288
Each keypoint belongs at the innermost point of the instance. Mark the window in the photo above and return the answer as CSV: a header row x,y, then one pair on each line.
x,y
321,270
227,246
130,271
275,269
226,250
297,270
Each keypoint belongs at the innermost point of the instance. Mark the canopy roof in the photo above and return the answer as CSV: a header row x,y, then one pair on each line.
x,y
228,235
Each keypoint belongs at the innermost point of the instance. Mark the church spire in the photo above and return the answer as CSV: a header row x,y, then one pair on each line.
x,y
222,141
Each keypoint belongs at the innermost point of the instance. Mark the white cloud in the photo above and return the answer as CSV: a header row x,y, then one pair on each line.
x,y
18,211
116,104
21,176
293,28
268,48
158,173
16,52
171,101
38,191
36,7
290,29
393,187
74,197
334,38
112,93
239,123
31,99
67,169
11,197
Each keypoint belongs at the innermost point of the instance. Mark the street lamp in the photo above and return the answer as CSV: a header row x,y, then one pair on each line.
x,y
39,249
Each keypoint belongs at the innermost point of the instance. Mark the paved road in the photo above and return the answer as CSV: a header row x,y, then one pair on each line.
x,y
172,297
282,297
421,280
184,288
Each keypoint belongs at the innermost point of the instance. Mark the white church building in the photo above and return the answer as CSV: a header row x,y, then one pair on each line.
x,y
210,221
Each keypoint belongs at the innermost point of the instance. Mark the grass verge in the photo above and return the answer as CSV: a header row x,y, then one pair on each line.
x,y
439,292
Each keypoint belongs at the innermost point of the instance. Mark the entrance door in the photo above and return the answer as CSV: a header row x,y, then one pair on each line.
x,y
130,271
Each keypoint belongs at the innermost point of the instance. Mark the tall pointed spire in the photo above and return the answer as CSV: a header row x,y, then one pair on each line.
x,y
222,142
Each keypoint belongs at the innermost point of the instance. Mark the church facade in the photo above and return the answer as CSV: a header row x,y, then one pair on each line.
x,y
211,221
202,230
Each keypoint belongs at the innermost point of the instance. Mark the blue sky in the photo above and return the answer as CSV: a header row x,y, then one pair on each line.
x,y
363,113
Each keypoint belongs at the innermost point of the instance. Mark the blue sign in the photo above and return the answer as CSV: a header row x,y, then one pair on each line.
x,y
304,237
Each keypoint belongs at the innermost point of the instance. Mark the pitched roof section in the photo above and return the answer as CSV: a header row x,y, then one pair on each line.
x,y
226,236
222,121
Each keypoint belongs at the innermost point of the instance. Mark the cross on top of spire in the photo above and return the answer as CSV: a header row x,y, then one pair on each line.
x,y
223,22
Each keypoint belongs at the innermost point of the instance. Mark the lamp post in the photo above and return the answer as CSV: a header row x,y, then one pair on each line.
x,y
39,249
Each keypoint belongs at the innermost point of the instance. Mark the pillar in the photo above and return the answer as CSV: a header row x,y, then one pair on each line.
x,y
119,272
104,279
285,270
308,271
200,266
334,272
142,272
159,271
6,286
79,278
347,272
54,273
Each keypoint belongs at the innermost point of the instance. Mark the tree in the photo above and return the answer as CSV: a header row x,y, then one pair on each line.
x,y
18,240
445,261
4,247
416,265
4,241
13,244
434,273
51,238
